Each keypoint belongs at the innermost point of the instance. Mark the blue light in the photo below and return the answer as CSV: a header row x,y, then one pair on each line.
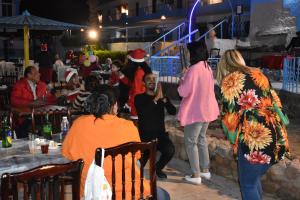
x,y
190,21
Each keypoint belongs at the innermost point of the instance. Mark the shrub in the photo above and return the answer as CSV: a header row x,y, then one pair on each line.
x,y
104,54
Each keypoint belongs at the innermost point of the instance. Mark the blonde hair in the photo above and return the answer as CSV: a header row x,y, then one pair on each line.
x,y
231,61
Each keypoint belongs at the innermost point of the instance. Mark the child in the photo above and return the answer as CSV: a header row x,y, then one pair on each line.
x,y
114,77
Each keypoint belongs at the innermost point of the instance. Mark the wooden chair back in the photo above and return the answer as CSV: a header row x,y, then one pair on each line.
x,y
5,99
40,182
55,114
132,148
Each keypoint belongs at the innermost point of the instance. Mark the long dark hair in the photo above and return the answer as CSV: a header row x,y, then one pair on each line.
x,y
100,102
198,52
133,66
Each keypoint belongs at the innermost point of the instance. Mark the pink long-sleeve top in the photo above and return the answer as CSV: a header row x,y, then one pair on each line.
x,y
198,103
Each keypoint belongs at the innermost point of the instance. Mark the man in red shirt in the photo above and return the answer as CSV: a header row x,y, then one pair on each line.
x,y
30,91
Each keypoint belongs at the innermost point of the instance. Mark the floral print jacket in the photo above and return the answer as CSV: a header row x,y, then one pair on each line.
x,y
249,117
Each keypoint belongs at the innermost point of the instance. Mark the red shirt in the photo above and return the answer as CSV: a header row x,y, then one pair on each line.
x,y
22,94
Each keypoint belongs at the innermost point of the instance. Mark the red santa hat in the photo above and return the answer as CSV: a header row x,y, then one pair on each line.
x,y
69,73
137,55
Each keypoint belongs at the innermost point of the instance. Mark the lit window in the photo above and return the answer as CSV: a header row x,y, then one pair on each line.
x,y
212,1
124,9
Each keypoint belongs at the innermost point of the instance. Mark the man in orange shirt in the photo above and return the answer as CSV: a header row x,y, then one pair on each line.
x,y
102,128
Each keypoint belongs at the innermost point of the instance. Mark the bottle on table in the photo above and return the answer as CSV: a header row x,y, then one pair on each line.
x,y
64,127
47,129
6,133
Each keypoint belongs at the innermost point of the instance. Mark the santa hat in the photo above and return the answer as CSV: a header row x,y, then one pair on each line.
x,y
137,55
69,73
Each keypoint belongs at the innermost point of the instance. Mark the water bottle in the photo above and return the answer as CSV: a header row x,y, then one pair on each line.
x,y
64,127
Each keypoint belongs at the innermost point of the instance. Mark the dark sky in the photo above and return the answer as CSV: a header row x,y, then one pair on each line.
x,y
72,11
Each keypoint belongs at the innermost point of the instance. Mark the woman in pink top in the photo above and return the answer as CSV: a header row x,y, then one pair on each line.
x,y
198,107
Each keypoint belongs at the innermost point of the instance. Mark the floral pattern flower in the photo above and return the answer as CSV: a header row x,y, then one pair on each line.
x,y
256,135
271,118
276,98
260,79
232,85
265,102
285,137
248,100
231,121
258,157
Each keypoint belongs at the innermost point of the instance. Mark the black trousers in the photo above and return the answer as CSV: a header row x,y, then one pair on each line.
x,y
165,146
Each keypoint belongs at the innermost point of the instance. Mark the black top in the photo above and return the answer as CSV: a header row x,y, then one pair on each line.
x,y
152,116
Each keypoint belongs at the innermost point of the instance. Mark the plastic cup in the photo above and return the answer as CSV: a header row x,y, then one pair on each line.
x,y
32,147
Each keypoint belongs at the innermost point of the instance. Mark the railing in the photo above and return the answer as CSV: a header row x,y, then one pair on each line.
x,y
291,74
179,29
213,28
169,68
167,50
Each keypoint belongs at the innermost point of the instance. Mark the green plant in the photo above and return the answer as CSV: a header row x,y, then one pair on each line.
x,y
104,54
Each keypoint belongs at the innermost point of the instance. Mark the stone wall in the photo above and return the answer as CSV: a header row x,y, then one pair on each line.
x,y
282,179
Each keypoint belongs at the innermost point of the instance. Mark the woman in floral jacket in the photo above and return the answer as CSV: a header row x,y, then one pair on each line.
x,y
252,121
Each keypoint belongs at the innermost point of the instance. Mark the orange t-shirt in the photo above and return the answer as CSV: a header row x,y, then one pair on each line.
x,y
88,133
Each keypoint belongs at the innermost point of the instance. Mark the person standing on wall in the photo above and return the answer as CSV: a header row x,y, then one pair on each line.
x,y
198,107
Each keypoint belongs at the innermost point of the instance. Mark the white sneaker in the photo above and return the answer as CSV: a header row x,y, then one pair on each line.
x,y
196,181
206,175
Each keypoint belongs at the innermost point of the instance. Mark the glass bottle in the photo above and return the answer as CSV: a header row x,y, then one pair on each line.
x,y
6,133
47,128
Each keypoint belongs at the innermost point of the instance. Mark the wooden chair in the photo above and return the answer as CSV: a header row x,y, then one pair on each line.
x,y
55,114
5,99
133,148
42,180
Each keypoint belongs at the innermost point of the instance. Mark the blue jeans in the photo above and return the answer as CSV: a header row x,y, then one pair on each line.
x,y
249,177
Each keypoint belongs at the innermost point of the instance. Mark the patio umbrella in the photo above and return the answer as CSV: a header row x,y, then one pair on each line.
x,y
27,21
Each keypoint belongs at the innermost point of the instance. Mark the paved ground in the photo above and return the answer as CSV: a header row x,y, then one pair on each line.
x,y
218,188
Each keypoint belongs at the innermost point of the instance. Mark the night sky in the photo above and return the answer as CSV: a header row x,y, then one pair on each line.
x,y
72,11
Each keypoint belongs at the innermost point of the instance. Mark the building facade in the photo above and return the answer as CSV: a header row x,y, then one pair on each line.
x,y
145,20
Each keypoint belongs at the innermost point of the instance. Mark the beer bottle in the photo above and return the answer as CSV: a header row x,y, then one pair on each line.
x,y
47,128
6,133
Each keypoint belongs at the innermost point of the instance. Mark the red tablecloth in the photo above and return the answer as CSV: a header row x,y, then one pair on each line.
x,y
272,61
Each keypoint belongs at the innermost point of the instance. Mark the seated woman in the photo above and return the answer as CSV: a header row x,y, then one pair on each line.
x,y
72,87
90,83
102,128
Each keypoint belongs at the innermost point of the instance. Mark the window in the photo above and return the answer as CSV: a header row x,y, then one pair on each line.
x,y
137,9
124,9
206,2
7,7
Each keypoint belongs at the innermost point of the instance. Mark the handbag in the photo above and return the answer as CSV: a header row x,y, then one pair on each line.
x,y
96,184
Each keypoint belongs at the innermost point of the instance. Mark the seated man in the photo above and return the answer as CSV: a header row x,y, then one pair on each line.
x,y
151,124
30,90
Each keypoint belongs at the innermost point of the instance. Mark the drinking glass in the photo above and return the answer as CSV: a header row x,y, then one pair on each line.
x,y
45,146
